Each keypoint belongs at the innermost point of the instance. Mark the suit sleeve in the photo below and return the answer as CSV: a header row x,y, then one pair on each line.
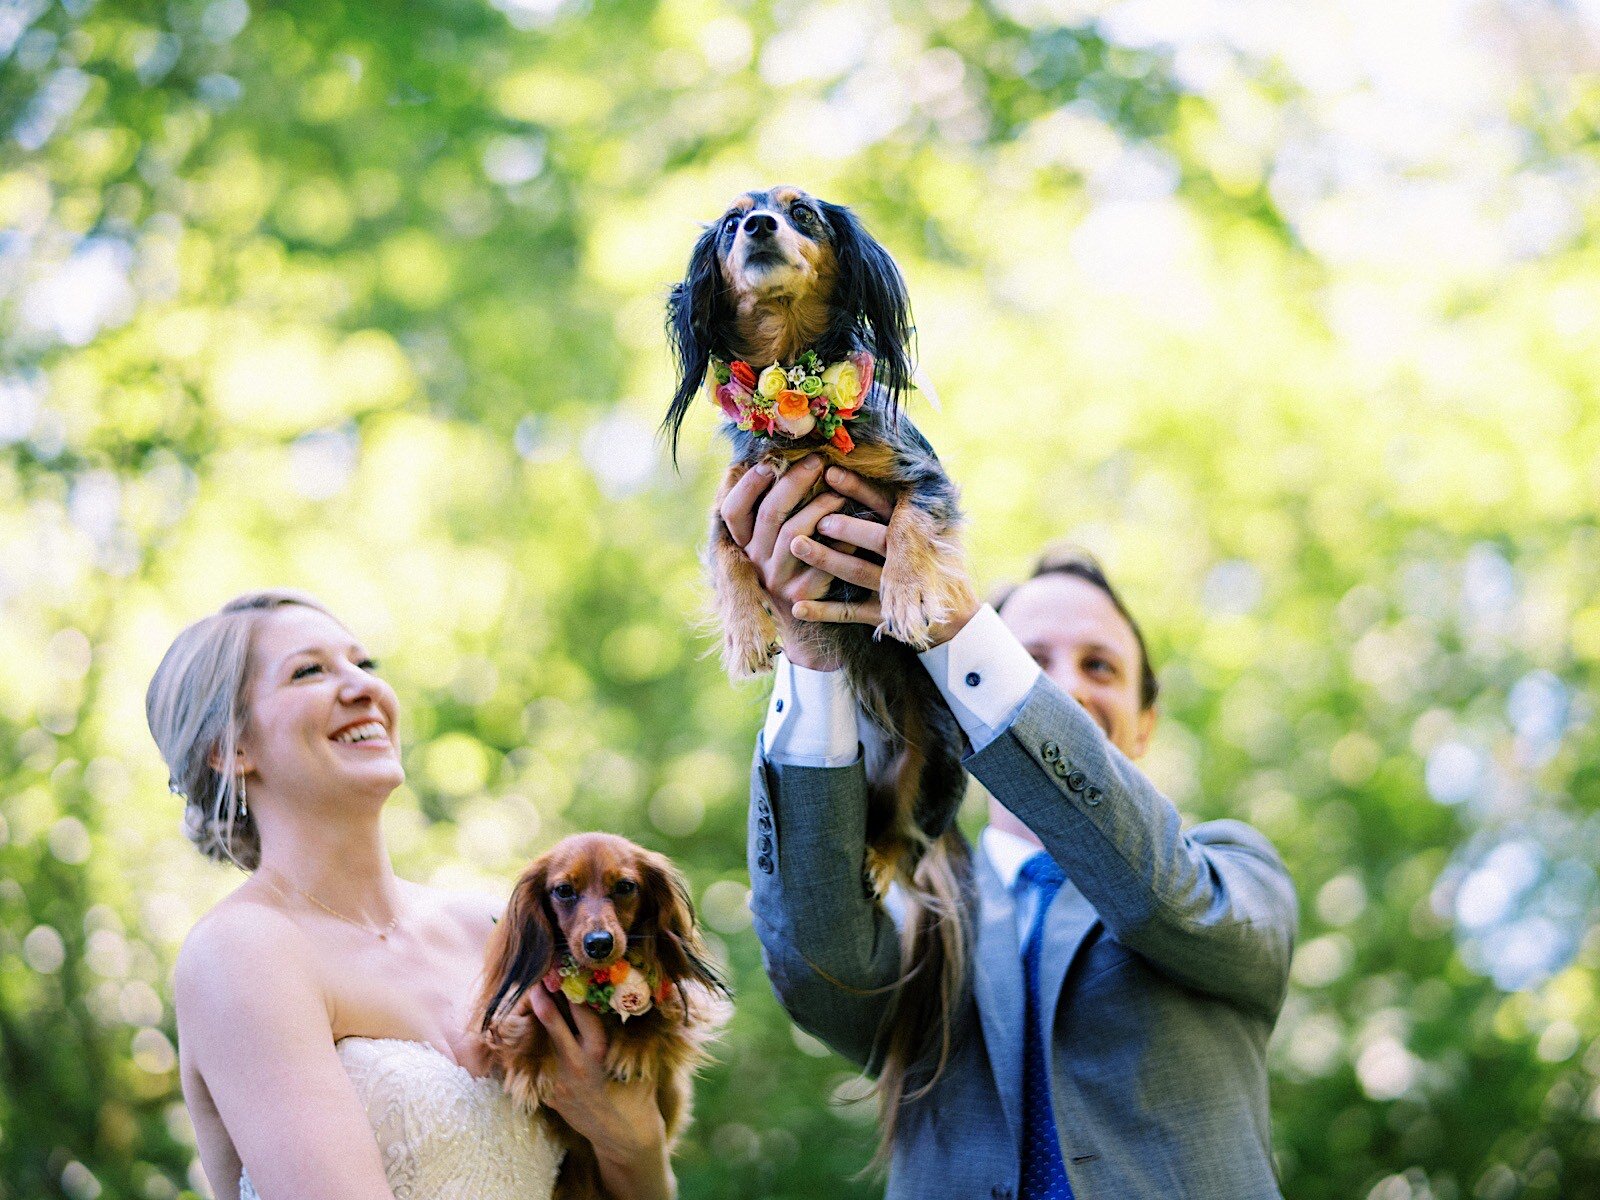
x,y
1213,907
831,950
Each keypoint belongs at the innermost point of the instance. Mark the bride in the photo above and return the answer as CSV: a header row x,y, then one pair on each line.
x,y
322,1006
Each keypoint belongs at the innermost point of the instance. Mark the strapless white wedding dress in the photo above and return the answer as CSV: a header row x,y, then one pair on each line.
x,y
443,1133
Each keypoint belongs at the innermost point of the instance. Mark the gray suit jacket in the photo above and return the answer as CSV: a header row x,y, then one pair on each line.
x,y
1165,961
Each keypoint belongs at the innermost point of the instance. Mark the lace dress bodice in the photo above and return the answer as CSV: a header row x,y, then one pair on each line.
x,y
443,1133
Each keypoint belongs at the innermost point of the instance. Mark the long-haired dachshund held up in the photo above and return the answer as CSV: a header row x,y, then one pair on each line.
x,y
798,323
611,925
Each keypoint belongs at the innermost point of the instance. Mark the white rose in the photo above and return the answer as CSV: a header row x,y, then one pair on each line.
x,y
631,997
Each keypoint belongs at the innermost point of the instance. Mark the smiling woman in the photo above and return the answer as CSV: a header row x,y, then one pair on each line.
x,y
323,1007
196,707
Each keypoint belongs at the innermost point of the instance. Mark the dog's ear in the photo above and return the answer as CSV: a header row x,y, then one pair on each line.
x,y
667,915
522,947
871,290
694,312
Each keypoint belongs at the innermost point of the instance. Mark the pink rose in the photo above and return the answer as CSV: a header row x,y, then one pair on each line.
x,y
730,398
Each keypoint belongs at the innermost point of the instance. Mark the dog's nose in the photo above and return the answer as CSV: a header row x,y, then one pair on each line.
x,y
761,224
598,945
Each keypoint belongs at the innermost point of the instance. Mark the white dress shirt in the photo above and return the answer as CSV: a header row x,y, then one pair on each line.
x,y
983,673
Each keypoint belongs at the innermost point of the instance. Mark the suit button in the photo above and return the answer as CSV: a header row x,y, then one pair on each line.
x,y
1000,1192
1050,752
1092,795
765,864
764,844
1061,767
973,679
1077,781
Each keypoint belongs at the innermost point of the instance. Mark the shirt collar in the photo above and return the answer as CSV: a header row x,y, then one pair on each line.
x,y
1007,852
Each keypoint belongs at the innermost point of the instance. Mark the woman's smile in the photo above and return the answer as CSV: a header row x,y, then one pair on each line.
x,y
365,734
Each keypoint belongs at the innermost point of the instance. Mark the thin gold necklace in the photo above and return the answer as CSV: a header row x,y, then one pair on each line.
x,y
382,931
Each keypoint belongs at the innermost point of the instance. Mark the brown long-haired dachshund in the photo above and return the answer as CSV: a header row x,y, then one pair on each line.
x,y
798,324
611,925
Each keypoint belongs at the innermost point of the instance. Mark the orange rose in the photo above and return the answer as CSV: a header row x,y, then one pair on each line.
x,y
744,373
841,439
793,413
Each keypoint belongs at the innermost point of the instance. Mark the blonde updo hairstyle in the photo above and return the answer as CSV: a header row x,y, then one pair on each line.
x,y
197,708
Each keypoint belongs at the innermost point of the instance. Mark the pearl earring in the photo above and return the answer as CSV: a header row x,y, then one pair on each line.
x,y
244,800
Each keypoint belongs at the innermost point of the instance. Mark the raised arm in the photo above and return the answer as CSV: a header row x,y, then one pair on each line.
x,y
831,950
259,1069
1213,907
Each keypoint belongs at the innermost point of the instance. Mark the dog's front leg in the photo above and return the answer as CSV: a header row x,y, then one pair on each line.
x,y
924,578
739,601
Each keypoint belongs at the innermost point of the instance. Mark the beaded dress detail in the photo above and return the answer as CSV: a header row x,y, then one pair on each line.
x,y
443,1133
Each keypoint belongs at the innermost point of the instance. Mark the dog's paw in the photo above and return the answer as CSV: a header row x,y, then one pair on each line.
x,y
510,1030
910,611
747,640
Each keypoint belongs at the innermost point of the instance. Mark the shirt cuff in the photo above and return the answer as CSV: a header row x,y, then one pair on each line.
x,y
984,675
811,720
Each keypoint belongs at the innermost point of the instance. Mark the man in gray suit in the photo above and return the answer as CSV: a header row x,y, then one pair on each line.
x,y
1127,972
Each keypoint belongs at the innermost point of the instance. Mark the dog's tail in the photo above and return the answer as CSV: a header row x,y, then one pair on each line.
x,y
935,960
915,784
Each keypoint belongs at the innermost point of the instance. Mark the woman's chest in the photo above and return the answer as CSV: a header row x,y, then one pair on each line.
x,y
410,989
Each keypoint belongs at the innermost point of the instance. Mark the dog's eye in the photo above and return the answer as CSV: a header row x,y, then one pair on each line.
x,y
564,891
803,215
625,887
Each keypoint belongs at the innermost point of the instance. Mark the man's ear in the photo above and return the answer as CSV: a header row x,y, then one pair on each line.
x,y
1143,731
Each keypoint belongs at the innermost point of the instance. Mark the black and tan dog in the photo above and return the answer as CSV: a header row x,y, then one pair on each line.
x,y
785,279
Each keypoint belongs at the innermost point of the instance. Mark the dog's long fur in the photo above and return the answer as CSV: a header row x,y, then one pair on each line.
x,y
813,279
662,1047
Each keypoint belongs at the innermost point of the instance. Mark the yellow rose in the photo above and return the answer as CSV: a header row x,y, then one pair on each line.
x,y
845,382
576,988
772,381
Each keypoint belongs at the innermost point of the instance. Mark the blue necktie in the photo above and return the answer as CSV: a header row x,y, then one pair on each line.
x,y
1044,1175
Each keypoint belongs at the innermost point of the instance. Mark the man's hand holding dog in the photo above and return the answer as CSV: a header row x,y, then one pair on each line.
x,y
801,547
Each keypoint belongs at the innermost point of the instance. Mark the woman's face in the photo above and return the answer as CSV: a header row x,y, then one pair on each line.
x,y
1088,649
321,721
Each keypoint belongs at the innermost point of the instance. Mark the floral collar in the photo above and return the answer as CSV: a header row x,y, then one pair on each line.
x,y
788,403
629,987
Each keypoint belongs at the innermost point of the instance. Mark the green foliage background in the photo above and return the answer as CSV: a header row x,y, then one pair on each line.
x,y
1290,318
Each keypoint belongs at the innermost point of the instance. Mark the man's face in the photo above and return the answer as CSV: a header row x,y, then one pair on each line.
x,y
1088,649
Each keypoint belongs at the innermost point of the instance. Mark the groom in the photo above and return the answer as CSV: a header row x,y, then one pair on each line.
x,y
1127,973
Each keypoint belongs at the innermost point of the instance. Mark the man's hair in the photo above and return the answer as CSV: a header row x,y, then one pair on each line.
x,y
1066,559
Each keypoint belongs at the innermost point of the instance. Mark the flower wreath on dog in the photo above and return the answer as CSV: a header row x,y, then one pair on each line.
x,y
792,402
627,988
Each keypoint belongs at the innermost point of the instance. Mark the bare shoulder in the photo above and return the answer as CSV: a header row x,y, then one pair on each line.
x,y
239,943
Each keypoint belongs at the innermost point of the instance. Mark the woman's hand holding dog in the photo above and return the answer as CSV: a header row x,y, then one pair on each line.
x,y
800,550
622,1121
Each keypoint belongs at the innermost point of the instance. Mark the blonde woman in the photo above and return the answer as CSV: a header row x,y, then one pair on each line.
x,y
322,1006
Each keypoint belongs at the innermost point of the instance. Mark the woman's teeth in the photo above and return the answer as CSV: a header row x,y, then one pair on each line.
x,y
361,733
